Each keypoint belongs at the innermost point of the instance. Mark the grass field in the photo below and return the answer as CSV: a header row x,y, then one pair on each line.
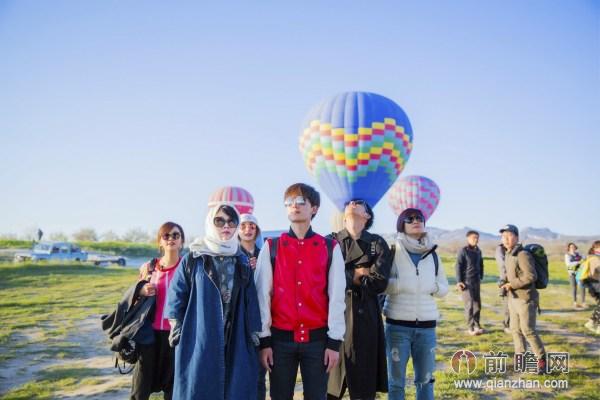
x,y
51,345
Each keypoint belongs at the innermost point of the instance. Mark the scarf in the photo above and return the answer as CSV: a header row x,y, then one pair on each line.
x,y
418,246
211,244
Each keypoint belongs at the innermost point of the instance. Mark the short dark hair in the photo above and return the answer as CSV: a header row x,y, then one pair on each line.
x,y
230,212
168,227
569,245
472,232
306,191
407,213
368,209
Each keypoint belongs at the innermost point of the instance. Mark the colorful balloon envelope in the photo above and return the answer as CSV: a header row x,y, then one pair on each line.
x,y
239,197
356,144
414,192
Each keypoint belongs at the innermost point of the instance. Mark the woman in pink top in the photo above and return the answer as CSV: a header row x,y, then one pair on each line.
x,y
154,370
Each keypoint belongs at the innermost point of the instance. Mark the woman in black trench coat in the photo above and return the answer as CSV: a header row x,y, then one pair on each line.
x,y
362,368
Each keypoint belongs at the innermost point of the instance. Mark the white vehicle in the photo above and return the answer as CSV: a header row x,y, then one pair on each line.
x,y
47,251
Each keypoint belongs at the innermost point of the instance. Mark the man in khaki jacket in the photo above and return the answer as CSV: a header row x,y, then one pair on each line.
x,y
523,297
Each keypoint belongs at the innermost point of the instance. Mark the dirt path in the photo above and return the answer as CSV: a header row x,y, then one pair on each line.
x,y
35,356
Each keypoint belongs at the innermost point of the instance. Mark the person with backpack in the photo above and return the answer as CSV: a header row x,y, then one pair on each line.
x,y
301,288
592,282
362,367
523,296
469,273
155,367
213,310
572,260
417,277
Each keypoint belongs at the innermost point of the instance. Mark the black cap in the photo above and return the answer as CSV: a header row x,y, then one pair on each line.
x,y
510,228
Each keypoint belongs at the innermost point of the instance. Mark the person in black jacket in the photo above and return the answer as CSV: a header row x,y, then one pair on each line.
x,y
368,260
469,273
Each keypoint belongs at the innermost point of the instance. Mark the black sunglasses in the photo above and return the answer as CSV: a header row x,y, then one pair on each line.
x,y
220,222
355,203
412,218
174,236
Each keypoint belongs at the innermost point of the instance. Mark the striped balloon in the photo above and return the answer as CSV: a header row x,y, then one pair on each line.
x,y
239,197
414,192
356,144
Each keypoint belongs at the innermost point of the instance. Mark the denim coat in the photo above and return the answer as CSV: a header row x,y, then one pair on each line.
x,y
215,359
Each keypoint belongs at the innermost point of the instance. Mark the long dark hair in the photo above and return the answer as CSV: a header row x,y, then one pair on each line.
x,y
594,245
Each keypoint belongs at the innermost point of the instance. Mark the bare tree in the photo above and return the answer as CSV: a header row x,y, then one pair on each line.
x,y
109,236
86,235
58,237
136,235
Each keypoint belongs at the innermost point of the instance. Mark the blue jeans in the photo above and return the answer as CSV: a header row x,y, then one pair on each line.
x,y
401,343
286,358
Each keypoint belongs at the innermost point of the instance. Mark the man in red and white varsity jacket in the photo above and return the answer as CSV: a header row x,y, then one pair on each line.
x,y
301,301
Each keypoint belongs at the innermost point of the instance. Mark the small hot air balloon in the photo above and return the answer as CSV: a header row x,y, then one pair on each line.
x,y
239,197
414,192
356,144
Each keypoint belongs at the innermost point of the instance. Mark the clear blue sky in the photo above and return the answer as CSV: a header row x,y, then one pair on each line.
x,y
117,114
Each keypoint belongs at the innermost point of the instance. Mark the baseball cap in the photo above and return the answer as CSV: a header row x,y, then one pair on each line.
x,y
510,228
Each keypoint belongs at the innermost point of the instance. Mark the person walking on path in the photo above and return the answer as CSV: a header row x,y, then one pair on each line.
x,y
572,260
417,276
155,368
301,287
523,297
469,273
593,285
362,367
214,315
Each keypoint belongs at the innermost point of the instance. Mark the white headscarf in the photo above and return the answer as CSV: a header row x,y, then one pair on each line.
x,y
211,244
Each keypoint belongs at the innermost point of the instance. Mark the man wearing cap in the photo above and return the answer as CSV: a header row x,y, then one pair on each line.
x,y
469,273
523,297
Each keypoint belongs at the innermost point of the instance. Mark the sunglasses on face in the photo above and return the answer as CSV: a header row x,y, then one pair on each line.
x,y
356,203
174,236
412,218
298,200
221,222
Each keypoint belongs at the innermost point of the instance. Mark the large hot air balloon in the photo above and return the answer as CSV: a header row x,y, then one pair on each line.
x,y
414,192
356,144
239,197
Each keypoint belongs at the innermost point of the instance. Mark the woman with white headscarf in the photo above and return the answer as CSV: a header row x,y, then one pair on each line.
x,y
214,315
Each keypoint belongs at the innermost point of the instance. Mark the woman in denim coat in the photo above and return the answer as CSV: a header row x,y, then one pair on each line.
x,y
214,315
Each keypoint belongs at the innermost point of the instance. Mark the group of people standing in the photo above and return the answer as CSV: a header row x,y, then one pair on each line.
x,y
233,308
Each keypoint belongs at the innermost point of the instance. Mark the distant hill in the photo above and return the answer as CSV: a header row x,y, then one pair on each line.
x,y
449,241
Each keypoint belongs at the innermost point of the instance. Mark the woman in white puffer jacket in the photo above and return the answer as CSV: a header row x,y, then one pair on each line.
x,y
417,276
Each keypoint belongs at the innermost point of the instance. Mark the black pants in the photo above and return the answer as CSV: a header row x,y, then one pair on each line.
x,y
472,298
574,285
155,369
286,358
594,290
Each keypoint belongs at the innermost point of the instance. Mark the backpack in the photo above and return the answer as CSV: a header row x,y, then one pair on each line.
x,y
541,264
583,273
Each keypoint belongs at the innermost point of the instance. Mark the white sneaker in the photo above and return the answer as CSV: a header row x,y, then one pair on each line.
x,y
590,325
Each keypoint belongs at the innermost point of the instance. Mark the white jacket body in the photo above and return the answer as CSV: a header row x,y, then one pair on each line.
x,y
411,289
